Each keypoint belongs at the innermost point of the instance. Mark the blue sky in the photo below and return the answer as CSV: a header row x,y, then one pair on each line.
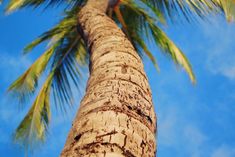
x,y
194,121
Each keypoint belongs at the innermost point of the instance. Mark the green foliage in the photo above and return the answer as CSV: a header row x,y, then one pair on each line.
x,y
62,60
67,53
190,9
149,24
172,50
26,84
63,29
67,62
35,123
14,5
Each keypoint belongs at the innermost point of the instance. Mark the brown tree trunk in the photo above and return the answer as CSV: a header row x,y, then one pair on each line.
x,y
116,116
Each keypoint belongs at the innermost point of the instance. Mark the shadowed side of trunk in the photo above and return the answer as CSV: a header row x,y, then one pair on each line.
x,y
116,116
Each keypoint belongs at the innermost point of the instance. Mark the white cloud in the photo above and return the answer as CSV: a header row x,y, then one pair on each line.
x,y
225,69
176,131
12,66
194,136
6,114
194,140
11,61
223,151
220,48
167,127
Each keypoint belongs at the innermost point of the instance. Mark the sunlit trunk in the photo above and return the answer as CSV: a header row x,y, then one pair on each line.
x,y
116,116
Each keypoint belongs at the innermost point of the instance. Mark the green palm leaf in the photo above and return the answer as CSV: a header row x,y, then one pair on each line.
x,y
35,124
172,50
67,54
67,64
66,29
26,84
141,43
161,39
14,5
195,8
67,25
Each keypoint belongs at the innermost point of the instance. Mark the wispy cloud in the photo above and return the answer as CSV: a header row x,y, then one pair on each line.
x,y
220,50
194,140
12,66
10,61
177,131
223,151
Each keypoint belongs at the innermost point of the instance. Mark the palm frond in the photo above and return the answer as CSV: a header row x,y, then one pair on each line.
x,y
151,5
34,125
26,84
61,30
66,53
172,50
17,4
14,5
134,36
65,69
195,8
69,58
160,38
139,41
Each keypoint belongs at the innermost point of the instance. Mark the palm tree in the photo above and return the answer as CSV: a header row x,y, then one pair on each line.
x,y
116,115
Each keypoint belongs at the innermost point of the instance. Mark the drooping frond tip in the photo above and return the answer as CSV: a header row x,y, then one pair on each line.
x,y
172,50
34,126
14,5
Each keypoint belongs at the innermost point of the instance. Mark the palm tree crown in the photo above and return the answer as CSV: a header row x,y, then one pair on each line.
x,y
67,53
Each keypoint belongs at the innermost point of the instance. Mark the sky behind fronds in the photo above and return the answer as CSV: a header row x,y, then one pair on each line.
x,y
194,121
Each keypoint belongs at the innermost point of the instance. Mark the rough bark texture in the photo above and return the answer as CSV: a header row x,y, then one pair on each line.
x,y
116,116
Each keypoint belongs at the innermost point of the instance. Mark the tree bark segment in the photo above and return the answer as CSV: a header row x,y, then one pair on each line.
x,y
116,116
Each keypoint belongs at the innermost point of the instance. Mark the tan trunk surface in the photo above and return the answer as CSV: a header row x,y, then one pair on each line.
x,y
116,116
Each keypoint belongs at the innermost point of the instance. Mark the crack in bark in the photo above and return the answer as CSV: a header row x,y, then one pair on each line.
x,y
85,123
111,79
95,146
93,101
117,109
101,26
118,62
107,134
122,65
125,138
110,50
100,87
142,145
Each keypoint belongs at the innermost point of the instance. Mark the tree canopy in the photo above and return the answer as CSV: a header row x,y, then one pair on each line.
x,y
141,21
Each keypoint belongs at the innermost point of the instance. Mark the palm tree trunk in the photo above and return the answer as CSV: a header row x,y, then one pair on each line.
x,y
116,116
